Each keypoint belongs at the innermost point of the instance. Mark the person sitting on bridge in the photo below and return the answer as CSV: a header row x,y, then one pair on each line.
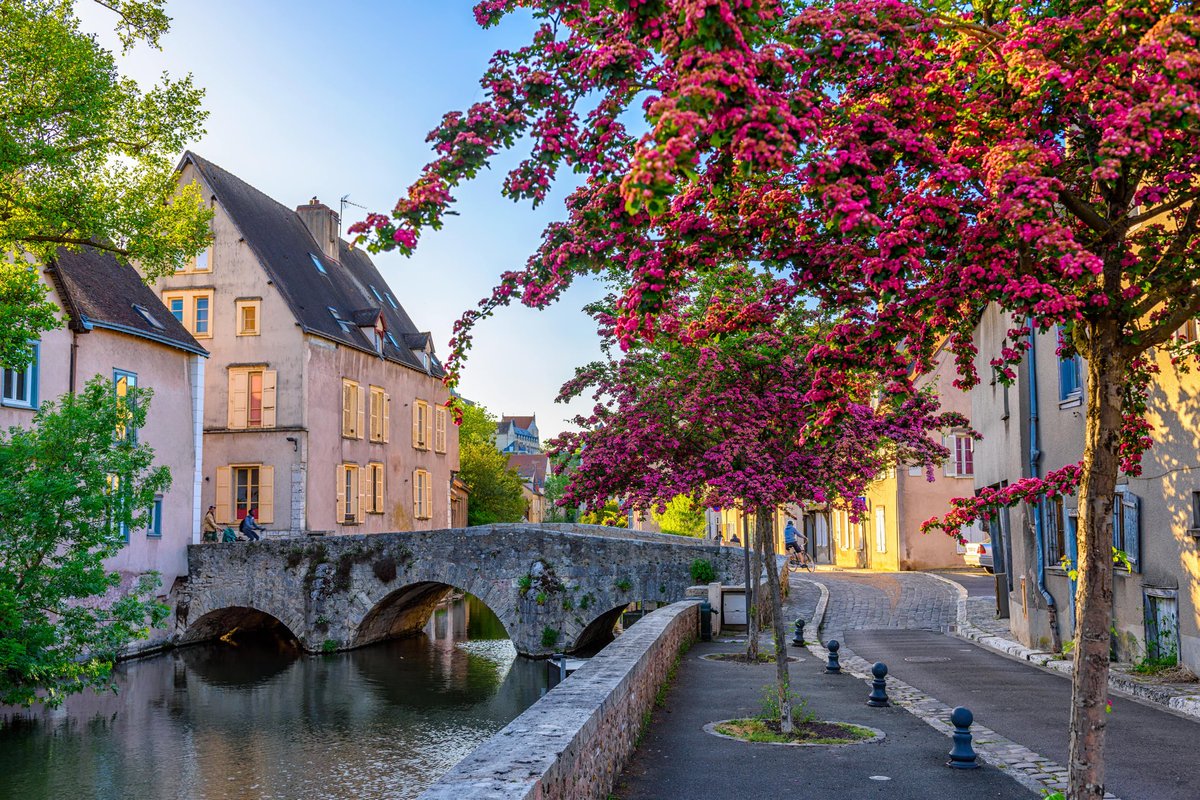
x,y
250,526
209,526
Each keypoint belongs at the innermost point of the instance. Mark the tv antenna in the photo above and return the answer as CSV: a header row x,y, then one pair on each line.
x,y
346,201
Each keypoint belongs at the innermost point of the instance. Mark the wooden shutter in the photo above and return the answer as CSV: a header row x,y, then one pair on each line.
x,y
377,488
416,484
239,391
428,496
362,412
364,504
439,433
340,474
376,415
347,409
266,495
416,425
387,416
1130,506
268,398
948,467
428,427
224,497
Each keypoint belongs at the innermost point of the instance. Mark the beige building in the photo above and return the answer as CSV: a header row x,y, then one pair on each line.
x,y
117,328
325,409
533,468
1037,425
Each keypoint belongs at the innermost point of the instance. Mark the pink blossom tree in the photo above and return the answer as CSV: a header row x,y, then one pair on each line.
x,y
716,409
908,161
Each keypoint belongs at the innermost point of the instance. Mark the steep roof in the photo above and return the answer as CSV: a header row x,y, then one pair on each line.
x,y
349,285
100,291
524,423
531,466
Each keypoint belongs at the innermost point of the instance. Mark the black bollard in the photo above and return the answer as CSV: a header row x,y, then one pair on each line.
x,y
962,755
833,667
798,639
878,697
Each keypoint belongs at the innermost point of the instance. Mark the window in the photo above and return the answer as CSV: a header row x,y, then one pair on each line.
x,y
201,262
381,405
880,530
422,494
440,415
1187,332
317,263
353,409
1054,529
20,385
1195,510
375,487
154,524
247,317
1070,379
122,382
421,423
961,463
252,393
1126,525
193,308
375,292
392,301
241,487
145,314
348,501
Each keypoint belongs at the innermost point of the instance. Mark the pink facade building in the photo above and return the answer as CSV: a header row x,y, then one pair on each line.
x,y
116,327
325,409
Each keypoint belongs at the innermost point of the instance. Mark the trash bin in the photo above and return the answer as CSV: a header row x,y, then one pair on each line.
x,y
705,621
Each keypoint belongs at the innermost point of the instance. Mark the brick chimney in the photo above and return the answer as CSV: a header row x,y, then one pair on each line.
x,y
322,223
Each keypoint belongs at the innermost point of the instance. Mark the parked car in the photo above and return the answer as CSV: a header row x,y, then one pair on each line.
x,y
979,554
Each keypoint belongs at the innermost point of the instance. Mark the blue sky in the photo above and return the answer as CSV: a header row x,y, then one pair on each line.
x,y
316,98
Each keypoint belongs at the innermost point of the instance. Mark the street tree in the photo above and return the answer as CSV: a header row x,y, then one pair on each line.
x,y
715,411
494,489
681,515
908,161
86,156
71,488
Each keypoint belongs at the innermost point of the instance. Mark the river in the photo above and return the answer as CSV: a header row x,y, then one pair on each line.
x,y
258,719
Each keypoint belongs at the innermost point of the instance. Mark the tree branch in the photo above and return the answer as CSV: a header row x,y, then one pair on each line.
x,y
1084,212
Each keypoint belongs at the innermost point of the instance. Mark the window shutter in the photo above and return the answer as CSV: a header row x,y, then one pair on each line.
x,y
239,391
387,416
266,495
416,423
429,498
439,440
416,483
948,467
268,398
378,476
428,427
347,409
1131,508
340,472
224,495
362,412
376,415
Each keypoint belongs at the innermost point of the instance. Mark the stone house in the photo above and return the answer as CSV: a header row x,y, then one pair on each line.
x,y
889,537
117,328
518,434
1037,425
325,408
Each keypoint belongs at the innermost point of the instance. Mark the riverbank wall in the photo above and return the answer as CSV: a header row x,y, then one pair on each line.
x,y
573,743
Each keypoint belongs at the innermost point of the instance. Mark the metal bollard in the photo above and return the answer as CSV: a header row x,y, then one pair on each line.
x,y
878,697
962,755
833,666
798,639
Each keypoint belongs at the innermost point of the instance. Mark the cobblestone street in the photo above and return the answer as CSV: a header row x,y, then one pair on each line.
x,y
874,601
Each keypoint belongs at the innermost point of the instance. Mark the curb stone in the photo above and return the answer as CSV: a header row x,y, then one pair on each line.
x,y
1028,768
1181,702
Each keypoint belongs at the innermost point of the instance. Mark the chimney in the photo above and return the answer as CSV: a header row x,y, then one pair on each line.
x,y
322,223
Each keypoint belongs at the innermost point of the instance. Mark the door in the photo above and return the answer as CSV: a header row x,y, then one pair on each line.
x,y
1162,624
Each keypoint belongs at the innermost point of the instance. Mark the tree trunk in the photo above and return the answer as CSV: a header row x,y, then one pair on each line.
x,y
760,556
753,572
1093,605
766,536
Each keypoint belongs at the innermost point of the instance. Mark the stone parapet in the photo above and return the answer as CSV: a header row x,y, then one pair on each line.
x,y
573,742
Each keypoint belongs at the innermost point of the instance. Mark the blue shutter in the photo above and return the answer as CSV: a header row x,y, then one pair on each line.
x,y
33,375
1131,510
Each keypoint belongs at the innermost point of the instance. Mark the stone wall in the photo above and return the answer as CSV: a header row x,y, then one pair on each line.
x,y
573,742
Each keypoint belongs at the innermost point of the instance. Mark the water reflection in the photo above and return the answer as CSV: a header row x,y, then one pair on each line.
x,y
260,720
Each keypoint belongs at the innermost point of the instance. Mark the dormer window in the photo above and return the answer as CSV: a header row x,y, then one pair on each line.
x,y
145,314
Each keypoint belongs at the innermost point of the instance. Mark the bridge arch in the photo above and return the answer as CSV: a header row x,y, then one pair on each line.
x,y
246,619
406,611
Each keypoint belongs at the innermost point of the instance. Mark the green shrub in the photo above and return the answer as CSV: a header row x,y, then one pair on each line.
x,y
549,636
702,571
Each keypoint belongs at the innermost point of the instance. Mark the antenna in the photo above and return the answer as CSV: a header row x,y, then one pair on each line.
x,y
346,201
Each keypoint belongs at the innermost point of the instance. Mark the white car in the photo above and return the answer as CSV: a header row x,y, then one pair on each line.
x,y
979,554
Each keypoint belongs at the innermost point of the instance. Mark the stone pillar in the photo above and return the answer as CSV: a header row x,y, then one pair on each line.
x,y
297,498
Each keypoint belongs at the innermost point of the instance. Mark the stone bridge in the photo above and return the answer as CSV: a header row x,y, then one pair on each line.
x,y
555,587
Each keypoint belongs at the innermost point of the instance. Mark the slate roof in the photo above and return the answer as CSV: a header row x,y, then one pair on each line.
x,y
525,423
351,285
100,291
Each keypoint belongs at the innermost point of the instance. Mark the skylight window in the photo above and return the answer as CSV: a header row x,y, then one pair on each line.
x,y
145,314
317,263
392,339
392,301
375,292
343,324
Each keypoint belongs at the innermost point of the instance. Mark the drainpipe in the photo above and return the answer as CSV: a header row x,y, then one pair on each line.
x,y
71,367
1035,456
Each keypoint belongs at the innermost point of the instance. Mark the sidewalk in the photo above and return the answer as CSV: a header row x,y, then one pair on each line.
x,y
977,622
677,758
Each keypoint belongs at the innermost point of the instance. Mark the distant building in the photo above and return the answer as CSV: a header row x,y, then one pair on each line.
x,y
518,435
117,328
325,404
533,468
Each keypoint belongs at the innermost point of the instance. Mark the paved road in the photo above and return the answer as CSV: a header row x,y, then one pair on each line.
x,y
874,600
977,582
1150,754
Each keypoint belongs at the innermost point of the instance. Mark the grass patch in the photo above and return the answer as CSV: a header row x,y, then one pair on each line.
x,y
740,658
815,732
